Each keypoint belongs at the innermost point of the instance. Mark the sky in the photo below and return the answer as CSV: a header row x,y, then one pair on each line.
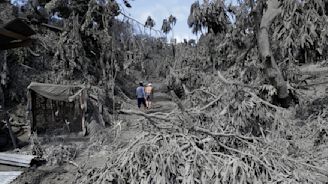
x,y
160,9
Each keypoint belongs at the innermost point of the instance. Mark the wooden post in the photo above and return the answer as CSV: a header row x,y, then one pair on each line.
x,y
83,107
45,110
52,111
12,136
84,128
33,117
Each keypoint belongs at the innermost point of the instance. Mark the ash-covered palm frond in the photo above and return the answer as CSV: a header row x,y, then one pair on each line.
x,y
172,20
166,27
127,4
150,23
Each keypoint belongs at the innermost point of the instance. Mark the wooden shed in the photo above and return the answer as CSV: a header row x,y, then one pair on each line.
x,y
55,107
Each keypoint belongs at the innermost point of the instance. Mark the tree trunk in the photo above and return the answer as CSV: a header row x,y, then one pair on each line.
x,y
271,68
102,64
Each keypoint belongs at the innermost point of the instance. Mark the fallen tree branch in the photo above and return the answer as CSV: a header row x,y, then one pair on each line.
x,y
206,106
151,117
28,67
195,90
313,84
33,53
121,93
265,102
143,114
211,103
312,167
214,134
313,70
55,28
166,115
178,101
73,163
94,97
225,81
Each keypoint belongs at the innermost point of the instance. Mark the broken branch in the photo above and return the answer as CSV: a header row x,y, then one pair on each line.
x,y
214,134
143,114
225,81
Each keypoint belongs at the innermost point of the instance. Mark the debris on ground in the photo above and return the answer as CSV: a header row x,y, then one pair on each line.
x,y
58,154
244,102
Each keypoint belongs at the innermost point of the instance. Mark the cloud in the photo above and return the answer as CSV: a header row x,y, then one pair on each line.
x,y
181,13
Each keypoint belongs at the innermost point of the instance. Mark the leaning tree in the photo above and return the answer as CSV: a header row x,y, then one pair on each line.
x,y
280,33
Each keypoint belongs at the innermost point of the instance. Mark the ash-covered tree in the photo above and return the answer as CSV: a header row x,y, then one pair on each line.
x,y
278,33
172,21
211,15
168,25
86,49
150,23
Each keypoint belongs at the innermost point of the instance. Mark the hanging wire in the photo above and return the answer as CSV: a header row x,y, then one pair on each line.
x,y
138,22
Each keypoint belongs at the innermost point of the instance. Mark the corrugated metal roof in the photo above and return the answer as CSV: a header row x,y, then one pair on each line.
x,y
16,159
7,177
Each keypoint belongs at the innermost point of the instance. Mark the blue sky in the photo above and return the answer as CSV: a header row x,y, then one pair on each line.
x,y
160,9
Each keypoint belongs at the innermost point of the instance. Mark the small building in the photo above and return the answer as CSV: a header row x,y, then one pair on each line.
x,y
57,107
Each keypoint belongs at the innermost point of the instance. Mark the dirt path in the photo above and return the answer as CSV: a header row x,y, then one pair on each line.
x,y
162,102
128,128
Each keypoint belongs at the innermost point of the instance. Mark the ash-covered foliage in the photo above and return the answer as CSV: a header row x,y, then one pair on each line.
x,y
220,154
229,127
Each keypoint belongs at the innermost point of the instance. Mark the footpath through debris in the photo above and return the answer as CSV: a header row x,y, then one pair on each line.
x,y
69,156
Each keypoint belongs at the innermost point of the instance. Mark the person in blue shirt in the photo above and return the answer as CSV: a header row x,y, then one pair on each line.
x,y
141,96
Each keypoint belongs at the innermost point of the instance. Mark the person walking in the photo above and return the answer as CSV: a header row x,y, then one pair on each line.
x,y
141,97
149,94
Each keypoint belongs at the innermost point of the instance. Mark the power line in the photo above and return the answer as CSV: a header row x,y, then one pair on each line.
x,y
135,20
